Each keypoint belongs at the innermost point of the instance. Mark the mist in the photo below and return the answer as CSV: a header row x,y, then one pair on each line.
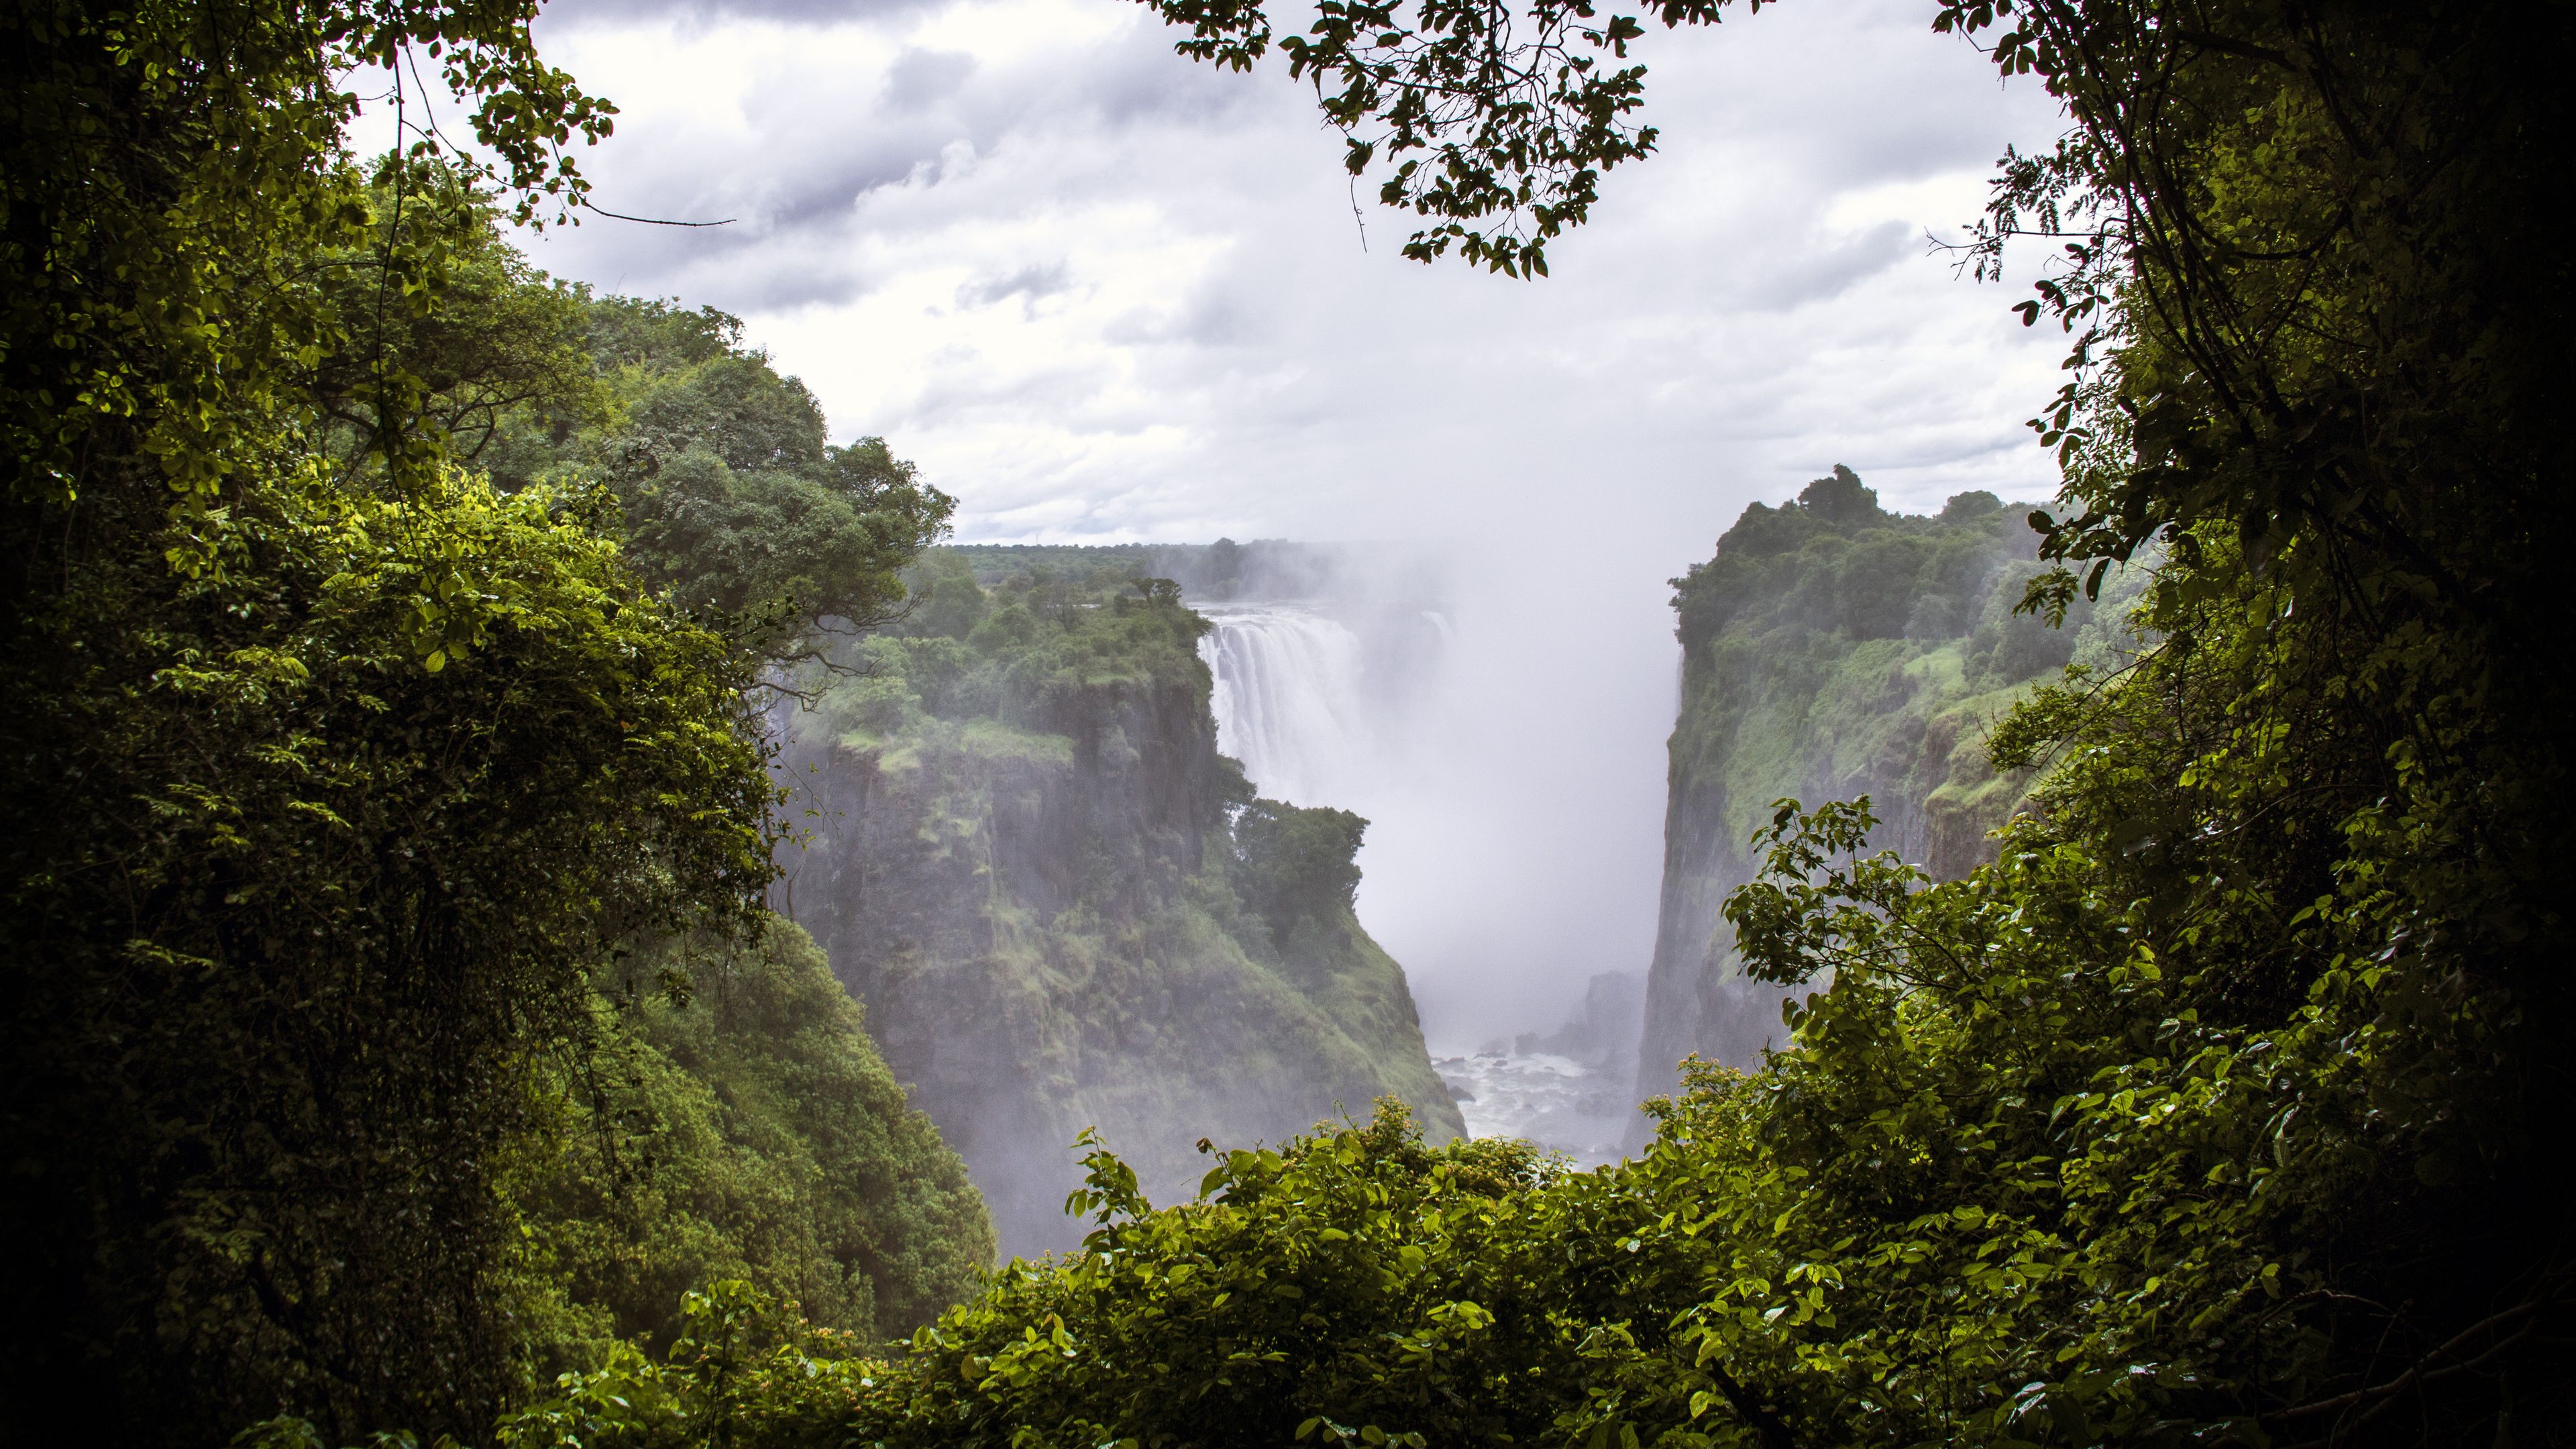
x,y
1521,854
1514,786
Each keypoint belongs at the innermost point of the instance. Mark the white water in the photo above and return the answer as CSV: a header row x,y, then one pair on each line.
x,y
1552,1100
1320,715
1288,700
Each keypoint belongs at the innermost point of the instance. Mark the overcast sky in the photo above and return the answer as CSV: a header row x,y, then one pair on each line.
x,y
1100,292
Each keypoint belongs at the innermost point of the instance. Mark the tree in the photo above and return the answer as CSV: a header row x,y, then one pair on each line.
x,y
331,771
736,505
1296,864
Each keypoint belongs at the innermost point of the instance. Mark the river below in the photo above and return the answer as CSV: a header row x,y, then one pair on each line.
x,y
1559,1103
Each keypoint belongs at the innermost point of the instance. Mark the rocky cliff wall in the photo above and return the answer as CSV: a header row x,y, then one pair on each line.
x,y
1035,897
1833,650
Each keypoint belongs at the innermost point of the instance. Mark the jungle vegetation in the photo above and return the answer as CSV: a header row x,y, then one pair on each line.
x,y
2227,1105
351,774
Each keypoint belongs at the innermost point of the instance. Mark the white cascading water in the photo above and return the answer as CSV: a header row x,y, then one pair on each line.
x,y
1291,704
1287,698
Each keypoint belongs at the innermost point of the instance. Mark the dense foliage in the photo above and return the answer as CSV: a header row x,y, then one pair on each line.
x,y
1831,647
334,771
1022,651
735,504
747,1131
1296,864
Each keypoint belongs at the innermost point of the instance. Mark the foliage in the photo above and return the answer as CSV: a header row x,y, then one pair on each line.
x,y
1515,132
172,171
1834,562
1026,650
1294,864
743,1129
1320,1282
333,771
325,846
476,336
735,502
736,506
1329,1280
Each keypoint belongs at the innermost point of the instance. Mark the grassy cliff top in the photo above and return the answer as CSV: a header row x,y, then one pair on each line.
x,y
1835,562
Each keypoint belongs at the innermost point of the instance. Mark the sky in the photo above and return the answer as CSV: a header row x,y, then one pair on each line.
x,y
1101,292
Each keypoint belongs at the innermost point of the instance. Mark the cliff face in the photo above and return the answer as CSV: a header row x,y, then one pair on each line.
x,y
1022,862
1832,650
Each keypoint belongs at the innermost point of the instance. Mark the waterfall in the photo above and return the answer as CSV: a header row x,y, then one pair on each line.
x,y
1287,699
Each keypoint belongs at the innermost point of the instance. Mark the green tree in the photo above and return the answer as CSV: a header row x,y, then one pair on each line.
x,y
333,772
736,506
1296,864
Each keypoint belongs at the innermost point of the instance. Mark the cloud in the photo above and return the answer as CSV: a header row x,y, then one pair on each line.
x,y
1032,283
921,78
717,12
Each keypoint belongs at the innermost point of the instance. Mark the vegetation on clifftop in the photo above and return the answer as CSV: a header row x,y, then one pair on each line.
x,y
1831,649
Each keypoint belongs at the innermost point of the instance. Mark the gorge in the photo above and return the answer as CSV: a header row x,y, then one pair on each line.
x,y
544,910
1831,649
